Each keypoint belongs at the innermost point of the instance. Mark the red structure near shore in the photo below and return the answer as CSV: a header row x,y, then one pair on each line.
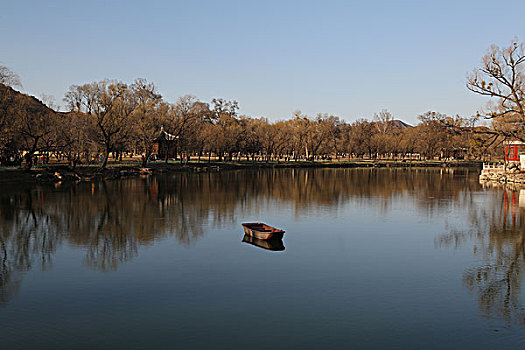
x,y
513,150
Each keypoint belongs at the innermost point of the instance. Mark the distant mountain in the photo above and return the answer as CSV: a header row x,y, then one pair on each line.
x,y
396,123
13,102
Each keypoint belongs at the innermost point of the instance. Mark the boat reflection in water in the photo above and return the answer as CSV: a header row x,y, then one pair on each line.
x,y
275,244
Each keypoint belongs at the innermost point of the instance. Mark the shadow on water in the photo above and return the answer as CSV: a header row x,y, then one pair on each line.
x,y
110,221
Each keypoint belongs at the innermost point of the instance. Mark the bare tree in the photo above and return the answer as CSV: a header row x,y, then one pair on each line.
x,y
9,78
149,117
502,78
49,100
383,121
222,106
183,116
34,125
111,104
74,137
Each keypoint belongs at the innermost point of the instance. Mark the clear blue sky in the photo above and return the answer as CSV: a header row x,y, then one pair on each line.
x,y
349,58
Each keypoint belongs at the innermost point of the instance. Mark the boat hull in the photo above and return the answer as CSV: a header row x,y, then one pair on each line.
x,y
262,231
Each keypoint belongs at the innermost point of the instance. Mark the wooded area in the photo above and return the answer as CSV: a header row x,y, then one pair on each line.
x,y
113,117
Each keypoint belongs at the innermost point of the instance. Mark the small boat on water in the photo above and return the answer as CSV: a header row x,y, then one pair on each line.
x,y
262,231
274,244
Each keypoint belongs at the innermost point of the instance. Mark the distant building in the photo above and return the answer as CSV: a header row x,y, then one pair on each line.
x,y
164,144
515,153
512,169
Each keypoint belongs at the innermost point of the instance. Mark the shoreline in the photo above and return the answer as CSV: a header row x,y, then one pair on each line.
x,y
62,173
500,176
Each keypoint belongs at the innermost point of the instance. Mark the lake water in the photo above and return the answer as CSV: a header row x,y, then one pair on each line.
x,y
372,259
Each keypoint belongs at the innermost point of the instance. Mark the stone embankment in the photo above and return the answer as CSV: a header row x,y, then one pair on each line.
x,y
500,174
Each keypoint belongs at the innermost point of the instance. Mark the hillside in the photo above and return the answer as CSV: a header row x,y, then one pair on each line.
x,y
12,101
396,123
24,122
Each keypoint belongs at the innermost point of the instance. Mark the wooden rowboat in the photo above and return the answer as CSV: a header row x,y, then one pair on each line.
x,y
262,231
275,244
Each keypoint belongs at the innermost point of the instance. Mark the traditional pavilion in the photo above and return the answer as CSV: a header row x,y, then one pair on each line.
x,y
164,144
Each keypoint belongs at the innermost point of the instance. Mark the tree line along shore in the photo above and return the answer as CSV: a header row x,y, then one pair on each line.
x,y
110,118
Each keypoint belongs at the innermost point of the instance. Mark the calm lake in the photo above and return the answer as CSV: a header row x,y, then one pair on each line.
x,y
371,259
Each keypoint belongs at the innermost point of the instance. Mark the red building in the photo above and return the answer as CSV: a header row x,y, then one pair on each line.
x,y
513,150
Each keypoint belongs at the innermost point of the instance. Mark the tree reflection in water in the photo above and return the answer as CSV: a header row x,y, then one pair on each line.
x,y
112,220
29,236
498,233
